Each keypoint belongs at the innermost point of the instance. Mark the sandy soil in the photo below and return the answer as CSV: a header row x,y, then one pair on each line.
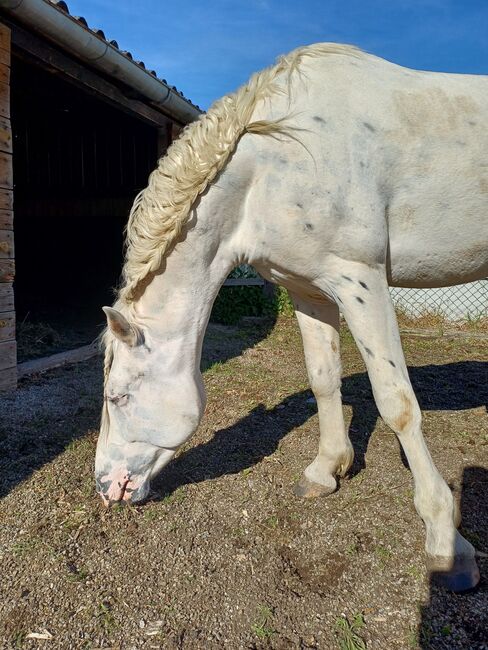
x,y
223,554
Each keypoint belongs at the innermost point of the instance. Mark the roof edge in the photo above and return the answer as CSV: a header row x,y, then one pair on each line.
x,y
91,47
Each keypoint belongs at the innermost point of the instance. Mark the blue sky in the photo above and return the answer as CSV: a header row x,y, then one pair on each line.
x,y
209,48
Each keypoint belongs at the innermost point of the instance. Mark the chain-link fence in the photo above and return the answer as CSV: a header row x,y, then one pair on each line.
x,y
463,301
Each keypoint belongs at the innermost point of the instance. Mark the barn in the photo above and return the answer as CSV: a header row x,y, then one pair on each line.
x,y
82,124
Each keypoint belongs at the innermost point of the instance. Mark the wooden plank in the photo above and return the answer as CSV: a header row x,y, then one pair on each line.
x,y
4,100
7,270
6,297
8,379
7,326
54,61
4,38
244,282
5,57
6,244
8,354
6,176
4,74
5,135
6,219
57,360
6,199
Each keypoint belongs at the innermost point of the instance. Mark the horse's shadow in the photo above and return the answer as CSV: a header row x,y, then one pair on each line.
x,y
454,386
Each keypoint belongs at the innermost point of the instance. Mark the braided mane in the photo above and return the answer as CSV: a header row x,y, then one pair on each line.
x,y
162,209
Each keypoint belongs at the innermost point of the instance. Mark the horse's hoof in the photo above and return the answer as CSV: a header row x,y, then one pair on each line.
x,y
309,489
460,574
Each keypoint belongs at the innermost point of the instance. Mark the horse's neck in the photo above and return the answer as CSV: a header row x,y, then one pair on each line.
x,y
177,302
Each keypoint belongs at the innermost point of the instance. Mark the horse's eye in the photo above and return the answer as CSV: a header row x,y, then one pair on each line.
x,y
119,400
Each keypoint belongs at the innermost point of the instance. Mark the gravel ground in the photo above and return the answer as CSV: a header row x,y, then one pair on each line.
x,y
223,553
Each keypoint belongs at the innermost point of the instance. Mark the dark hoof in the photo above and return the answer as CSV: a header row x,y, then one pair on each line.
x,y
460,574
310,489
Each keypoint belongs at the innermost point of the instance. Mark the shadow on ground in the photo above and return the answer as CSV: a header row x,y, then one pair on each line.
x,y
451,620
453,386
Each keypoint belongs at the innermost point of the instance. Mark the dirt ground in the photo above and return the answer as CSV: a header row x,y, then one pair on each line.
x,y
223,554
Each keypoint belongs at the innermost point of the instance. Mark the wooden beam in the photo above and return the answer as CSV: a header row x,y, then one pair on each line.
x,y
8,354
6,219
4,100
8,379
4,38
6,177
7,326
6,297
7,270
5,135
56,62
6,244
56,360
6,199
4,74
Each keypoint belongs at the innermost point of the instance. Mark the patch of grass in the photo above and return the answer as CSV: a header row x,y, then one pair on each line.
x,y
414,572
348,632
77,575
105,616
272,522
150,514
352,549
383,554
263,627
175,497
24,547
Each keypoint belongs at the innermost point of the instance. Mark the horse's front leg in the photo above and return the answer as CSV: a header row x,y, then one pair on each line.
x,y
319,326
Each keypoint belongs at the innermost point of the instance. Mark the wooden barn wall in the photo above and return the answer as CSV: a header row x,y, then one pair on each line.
x,y
8,357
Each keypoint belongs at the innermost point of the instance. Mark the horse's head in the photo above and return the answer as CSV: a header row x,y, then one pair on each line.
x,y
153,402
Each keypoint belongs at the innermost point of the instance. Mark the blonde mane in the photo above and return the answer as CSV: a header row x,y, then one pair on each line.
x,y
162,209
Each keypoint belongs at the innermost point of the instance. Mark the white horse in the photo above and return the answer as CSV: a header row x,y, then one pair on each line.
x,y
335,173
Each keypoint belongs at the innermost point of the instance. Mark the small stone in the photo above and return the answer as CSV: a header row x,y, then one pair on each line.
x,y
142,623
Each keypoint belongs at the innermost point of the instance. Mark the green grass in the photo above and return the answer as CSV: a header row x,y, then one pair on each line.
x,y
263,627
348,632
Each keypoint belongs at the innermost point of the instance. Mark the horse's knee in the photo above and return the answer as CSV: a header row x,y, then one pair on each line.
x,y
325,380
400,410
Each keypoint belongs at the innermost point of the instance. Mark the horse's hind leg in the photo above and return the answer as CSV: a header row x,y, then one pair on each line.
x,y
319,326
367,306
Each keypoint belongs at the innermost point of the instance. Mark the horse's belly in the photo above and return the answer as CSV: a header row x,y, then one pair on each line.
x,y
437,257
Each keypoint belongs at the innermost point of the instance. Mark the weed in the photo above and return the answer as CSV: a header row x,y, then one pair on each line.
x,y
150,515
383,554
446,630
105,616
352,549
347,631
24,547
415,572
272,522
77,575
262,629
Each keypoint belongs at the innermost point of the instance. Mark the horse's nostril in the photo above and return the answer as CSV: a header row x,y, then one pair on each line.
x,y
120,400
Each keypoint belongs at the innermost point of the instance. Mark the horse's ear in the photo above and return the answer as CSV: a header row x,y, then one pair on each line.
x,y
120,326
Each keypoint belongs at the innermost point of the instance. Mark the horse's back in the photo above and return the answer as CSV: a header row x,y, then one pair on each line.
x,y
410,146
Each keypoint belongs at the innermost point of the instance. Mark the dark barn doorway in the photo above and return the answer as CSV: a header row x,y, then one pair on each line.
x,y
78,163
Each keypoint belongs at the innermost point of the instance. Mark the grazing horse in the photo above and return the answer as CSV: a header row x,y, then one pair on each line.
x,y
334,173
